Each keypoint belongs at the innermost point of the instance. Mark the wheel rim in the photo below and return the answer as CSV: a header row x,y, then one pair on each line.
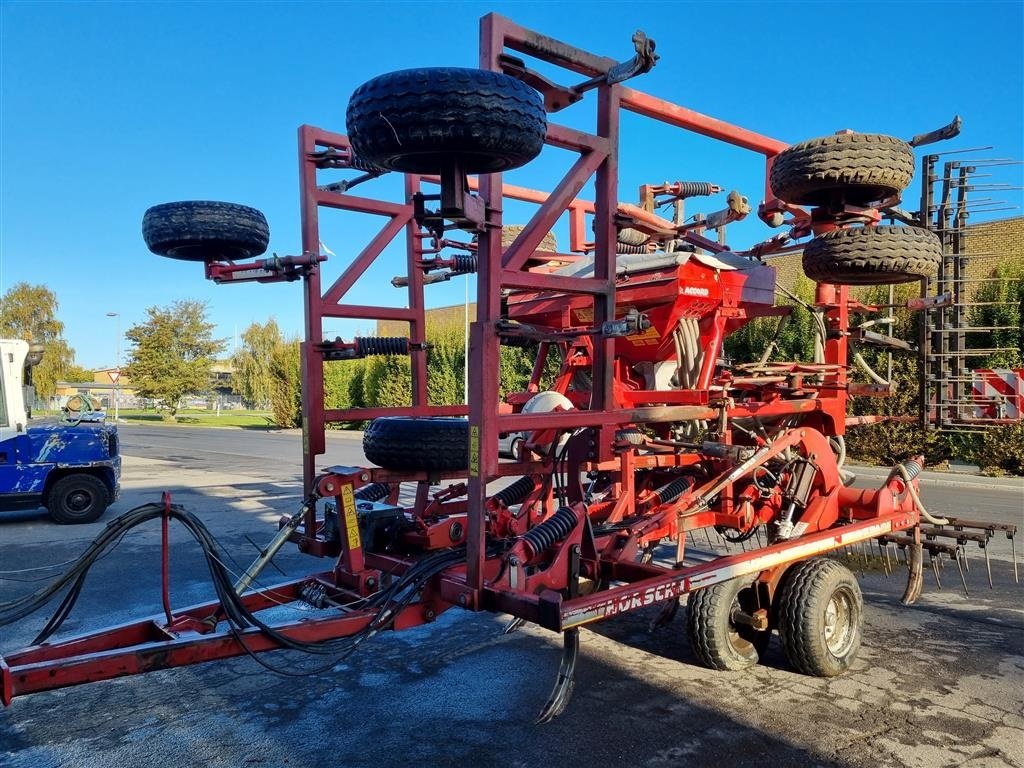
x,y
741,636
840,623
79,502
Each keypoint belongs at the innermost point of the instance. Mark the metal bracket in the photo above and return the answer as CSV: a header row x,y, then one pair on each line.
x,y
950,131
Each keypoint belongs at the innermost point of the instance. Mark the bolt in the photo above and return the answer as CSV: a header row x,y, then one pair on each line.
x,y
463,599
513,561
364,476
428,614
371,583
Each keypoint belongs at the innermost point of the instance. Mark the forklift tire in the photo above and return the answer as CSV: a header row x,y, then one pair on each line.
x,y
872,255
715,639
420,120
201,230
858,168
820,613
418,445
77,499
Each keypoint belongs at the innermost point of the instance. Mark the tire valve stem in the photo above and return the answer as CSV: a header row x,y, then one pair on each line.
x,y
797,492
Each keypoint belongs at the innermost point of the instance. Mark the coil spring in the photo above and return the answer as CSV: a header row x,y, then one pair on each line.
x,y
556,527
674,490
463,263
515,493
382,345
695,189
373,492
624,248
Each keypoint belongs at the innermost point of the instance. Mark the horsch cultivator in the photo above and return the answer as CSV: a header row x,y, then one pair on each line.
x,y
644,437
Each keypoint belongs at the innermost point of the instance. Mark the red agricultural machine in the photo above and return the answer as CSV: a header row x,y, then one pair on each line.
x,y
645,436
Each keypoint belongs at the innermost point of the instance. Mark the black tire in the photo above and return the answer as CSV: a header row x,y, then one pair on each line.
x,y
420,120
77,499
820,617
715,639
203,230
421,445
872,255
858,168
516,447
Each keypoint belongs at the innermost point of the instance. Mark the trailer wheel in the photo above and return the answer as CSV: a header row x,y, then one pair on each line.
x,y
421,120
820,616
872,255
77,499
202,230
859,168
715,638
419,445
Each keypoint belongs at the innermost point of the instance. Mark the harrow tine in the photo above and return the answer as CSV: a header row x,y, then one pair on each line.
x,y
960,553
665,615
935,567
513,625
988,565
562,691
915,573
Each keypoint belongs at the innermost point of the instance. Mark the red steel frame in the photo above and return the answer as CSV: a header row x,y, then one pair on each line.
x,y
484,583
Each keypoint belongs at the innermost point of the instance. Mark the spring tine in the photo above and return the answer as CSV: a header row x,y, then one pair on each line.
x,y
935,567
562,691
988,565
888,563
864,552
760,543
708,534
915,576
513,625
665,616
960,568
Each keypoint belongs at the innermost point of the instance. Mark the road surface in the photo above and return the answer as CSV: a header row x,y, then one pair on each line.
x,y
938,684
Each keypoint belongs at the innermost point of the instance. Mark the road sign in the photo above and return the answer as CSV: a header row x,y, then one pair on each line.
x,y
114,376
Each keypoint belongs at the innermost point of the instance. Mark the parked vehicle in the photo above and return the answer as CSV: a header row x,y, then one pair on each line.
x,y
69,464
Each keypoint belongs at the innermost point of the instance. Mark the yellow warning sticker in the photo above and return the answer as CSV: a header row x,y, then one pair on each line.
x,y
474,451
348,502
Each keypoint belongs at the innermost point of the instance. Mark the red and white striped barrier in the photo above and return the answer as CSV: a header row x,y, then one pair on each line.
x,y
998,393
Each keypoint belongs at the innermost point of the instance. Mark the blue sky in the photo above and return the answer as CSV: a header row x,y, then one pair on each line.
x,y
108,108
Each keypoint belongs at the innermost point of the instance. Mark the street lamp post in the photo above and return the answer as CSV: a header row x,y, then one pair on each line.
x,y
117,366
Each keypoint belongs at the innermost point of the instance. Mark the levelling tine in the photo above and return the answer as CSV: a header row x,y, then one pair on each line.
x,y
988,565
513,625
888,563
707,533
960,552
935,568
665,615
562,692
1013,554
760,543
864,552
915,574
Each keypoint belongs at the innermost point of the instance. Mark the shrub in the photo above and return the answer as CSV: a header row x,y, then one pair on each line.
x,y
1002,450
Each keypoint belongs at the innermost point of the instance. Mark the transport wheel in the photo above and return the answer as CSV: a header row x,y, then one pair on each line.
x,y
516,447
820,616
872,255
430,445
858,168
422,120
202,230
718,641
77,499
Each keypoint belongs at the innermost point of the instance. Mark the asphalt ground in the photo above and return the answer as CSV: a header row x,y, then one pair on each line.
x,y
937,684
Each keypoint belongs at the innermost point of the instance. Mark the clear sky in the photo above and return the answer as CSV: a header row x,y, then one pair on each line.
x,y
108,108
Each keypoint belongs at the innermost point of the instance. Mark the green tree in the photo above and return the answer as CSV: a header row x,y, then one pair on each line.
x,y
252,377
29,312
1000,303
286,384
172,353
